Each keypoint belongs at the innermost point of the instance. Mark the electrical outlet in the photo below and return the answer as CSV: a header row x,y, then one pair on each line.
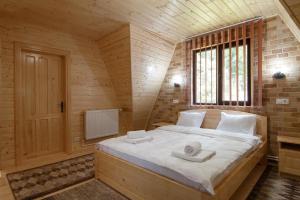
x,y
175,101
282,101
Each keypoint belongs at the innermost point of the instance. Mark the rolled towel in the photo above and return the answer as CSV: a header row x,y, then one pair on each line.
x,y
203,156
192,148
148,138
136,134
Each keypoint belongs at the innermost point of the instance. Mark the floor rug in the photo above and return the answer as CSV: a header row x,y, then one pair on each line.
x,y
270,186
40,181
92,190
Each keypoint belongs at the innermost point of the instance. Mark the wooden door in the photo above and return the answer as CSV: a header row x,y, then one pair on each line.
x,y
42,104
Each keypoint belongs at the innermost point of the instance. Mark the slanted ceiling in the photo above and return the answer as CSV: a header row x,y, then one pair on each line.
x,y
171,19
137,61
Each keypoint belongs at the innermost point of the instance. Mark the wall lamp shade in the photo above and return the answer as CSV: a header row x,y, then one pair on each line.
x,y
177,80
278,75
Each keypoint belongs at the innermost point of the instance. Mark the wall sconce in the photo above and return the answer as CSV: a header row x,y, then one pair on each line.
x,y
150,68
177,81
278,75
177,85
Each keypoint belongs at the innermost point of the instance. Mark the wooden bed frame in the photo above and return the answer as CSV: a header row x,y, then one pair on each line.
x,y
141,184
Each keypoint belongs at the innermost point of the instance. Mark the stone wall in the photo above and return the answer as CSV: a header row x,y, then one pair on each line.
x,y
281,52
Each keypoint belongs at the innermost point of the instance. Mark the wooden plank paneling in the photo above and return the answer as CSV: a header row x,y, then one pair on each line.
x,y
136,81
88,74
150,59
173,20
116,53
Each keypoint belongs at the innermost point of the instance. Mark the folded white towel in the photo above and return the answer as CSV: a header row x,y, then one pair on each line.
x,y
192,148
136,134
203,156
139,140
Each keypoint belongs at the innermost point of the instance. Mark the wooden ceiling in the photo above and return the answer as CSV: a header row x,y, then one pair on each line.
x,y
293,8
171,19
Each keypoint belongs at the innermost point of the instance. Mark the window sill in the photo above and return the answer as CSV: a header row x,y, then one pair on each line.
x,y
224,106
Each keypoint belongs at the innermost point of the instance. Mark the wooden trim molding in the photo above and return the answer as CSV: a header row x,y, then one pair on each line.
x,y
259,58
18,48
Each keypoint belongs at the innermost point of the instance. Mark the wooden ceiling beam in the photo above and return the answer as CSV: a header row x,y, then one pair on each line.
x,y
288,16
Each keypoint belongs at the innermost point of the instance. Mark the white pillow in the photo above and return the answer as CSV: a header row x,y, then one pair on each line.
x,y
193,119
237,123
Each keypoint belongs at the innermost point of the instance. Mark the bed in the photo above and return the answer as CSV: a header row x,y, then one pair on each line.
x,y
156,176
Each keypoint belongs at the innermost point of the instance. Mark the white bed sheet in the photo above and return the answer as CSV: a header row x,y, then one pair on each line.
x,y
156,155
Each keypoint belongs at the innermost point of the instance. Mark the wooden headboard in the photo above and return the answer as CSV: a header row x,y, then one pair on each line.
x,y
213,117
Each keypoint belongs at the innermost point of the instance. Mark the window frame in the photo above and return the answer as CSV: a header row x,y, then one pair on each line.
x,y
219,75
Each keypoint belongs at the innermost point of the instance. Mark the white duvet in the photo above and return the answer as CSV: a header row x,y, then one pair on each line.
x,y
156,155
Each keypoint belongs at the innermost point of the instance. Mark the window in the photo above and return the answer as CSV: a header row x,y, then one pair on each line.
x,y
221,76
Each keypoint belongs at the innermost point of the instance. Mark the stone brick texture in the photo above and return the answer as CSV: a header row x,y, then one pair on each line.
x,y
281,52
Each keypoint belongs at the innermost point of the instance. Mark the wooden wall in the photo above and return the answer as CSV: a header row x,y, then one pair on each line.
x,y
122,70
137,61
281,52
150,58
115,51
91,85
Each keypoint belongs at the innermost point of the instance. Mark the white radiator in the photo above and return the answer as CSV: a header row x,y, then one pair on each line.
x,y
100,123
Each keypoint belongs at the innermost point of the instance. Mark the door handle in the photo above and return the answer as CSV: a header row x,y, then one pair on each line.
x,y
62,106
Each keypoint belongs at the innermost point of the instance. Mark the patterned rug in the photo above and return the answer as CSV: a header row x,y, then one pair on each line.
x,y
93,190
37,182
270,186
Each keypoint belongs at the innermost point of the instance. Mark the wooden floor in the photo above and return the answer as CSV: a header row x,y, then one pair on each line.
x,y
90,190
5,192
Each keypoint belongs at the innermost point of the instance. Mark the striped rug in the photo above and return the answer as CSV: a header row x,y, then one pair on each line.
x,y
33,183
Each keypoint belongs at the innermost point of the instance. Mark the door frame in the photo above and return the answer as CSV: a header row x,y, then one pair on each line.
x,y
19,93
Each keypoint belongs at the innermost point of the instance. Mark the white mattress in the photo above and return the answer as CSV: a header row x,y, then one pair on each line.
x,y
156,155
